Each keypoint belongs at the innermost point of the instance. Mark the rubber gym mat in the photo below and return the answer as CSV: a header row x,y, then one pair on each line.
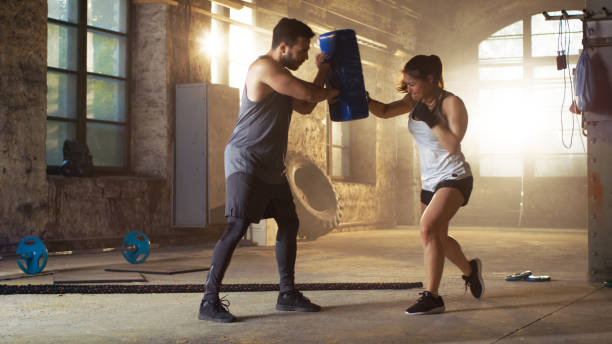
x,y
22,275
95,276
162,268
191,288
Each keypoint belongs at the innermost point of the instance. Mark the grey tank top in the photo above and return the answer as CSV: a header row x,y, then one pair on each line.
x,y
259,141
437,164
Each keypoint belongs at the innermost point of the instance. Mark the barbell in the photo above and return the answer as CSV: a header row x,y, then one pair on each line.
x,y
33,253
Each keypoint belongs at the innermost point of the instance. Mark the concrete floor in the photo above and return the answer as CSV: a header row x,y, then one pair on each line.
x,y
566,310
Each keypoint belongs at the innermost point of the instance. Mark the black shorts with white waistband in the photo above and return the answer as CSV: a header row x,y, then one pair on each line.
x,y
463,185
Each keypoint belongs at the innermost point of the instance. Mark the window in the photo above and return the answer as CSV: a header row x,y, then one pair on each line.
x,y
340,163
87,80
242,50
231,58
524,126
352,150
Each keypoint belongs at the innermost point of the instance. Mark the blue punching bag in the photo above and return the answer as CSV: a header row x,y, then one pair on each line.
x,y
346,75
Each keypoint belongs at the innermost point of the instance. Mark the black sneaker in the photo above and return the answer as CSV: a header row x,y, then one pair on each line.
x,y
426,304
295,301
217,311
475,281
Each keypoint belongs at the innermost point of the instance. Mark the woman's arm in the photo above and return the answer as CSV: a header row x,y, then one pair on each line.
x,y
393,109
456,114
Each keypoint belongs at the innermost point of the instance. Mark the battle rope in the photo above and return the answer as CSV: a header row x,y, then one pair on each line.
x,y
190,288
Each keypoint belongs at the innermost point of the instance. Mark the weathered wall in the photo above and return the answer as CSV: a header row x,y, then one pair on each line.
x,y
23,104
99,211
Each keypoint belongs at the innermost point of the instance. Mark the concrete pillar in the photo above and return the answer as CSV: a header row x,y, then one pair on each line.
x,y
149,93
599,152
23,110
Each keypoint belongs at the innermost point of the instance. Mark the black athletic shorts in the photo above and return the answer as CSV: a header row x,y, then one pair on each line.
x,y
248,197
464,185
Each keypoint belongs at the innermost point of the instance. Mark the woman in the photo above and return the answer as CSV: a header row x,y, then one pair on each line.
x,y
438,121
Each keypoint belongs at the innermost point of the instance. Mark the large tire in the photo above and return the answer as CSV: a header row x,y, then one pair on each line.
x,y
316,201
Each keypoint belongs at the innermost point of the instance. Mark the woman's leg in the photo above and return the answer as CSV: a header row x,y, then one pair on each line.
x,y
434,233
453,251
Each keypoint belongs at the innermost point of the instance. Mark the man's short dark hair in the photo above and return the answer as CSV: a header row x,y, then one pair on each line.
x,y
288,30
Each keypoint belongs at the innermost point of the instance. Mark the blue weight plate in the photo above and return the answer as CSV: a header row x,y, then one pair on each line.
x,y
140,242
32,255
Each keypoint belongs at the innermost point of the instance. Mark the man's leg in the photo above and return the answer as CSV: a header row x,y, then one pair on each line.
x,y
212,308
222,255
283,211
286,250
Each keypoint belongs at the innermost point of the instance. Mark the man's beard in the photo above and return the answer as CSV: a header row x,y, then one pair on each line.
x,y
289,63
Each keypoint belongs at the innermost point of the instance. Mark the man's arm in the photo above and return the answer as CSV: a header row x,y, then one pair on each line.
x,y
305,107
283,82
392,109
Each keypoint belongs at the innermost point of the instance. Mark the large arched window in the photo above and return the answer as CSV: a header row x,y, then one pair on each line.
x,y
523,126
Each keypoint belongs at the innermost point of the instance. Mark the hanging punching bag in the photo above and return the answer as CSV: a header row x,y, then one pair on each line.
x,y
346,75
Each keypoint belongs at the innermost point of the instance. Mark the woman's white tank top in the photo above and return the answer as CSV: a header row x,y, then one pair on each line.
x,y
437,164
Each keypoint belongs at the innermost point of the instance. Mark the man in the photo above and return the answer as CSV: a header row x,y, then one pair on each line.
x,y
256,185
